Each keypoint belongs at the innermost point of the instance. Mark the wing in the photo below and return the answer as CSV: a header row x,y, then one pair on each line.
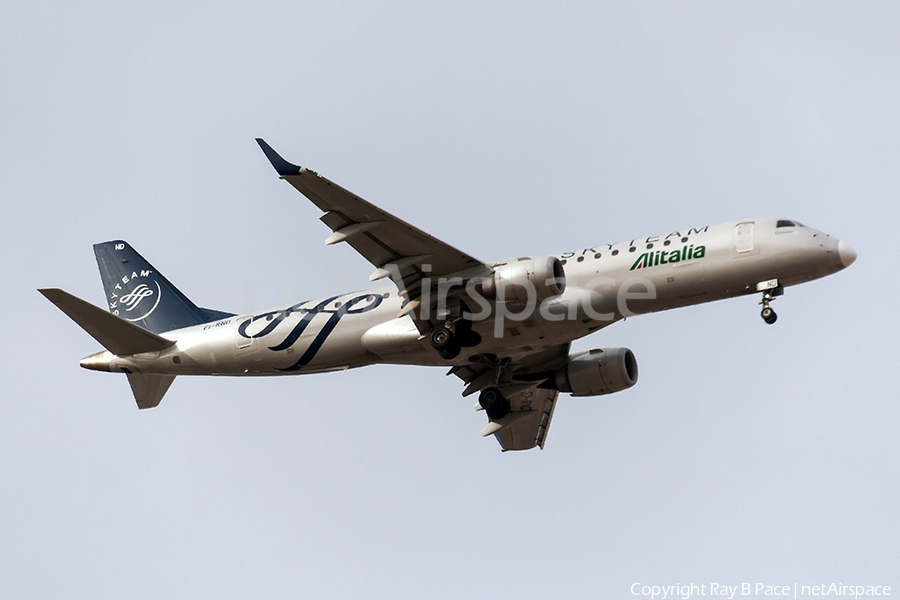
x,y
521,381
408,255
526,425
395,248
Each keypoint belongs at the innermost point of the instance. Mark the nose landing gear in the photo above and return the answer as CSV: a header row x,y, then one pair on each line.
x,y
770,290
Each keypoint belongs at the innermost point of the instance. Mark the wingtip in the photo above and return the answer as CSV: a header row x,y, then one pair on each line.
x,y
282,167
54,295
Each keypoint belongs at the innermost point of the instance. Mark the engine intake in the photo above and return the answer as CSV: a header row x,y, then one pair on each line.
x,y
524,278
598,372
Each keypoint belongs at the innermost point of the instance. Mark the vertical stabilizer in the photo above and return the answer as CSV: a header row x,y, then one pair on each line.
x,y
138,293
149,389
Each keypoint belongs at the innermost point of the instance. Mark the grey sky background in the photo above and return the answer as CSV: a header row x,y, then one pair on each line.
x,y
746,453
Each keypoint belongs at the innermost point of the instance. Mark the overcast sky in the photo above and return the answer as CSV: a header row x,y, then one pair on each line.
x,y
746,453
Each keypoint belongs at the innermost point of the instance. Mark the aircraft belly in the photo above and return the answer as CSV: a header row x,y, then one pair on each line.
x,y
397,341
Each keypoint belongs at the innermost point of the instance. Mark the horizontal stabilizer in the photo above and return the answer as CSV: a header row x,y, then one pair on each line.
x,y
116,335
149,389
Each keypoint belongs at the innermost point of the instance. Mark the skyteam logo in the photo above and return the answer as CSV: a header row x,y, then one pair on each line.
x,y
132,300
664,257
135,302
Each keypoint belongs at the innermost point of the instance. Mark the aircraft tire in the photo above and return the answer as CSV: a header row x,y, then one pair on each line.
x,y
768,315
441,338
493,403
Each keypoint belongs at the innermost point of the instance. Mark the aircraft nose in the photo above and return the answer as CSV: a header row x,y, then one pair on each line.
x,y
847,254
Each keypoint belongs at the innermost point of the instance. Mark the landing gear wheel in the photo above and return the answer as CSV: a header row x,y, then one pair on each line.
x,y
443,340
768,315
493,403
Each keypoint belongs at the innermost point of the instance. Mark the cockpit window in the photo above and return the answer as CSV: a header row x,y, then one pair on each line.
x,y
784,223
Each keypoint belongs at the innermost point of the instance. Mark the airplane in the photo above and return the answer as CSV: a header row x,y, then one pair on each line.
x,y
503,328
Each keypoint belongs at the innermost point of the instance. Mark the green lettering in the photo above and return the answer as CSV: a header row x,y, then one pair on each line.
x,y
700,252
640,263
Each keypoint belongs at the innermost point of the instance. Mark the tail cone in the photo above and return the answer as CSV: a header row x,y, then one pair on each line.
x,y
97,362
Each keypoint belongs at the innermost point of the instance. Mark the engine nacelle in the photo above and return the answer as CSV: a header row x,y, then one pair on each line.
x,y
597,372
517,280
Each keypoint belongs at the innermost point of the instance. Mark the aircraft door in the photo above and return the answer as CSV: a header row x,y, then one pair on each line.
x,y
243,343
743,237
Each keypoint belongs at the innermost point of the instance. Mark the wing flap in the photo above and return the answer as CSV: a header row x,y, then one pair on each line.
x,y
527,428
391,241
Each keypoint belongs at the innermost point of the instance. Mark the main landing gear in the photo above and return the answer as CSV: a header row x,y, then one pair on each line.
x,y
768,315
443,340
449,339
493,403
491,399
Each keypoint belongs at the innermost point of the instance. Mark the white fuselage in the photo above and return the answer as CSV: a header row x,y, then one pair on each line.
x,y
604,284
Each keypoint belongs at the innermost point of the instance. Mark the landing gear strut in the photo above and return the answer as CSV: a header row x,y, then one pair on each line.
x,y
768,315
454,335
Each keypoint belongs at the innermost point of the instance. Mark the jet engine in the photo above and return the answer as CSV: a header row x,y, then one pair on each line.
x,y
598,372
516,280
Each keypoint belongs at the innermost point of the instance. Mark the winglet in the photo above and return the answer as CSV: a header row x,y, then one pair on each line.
x,y
282,166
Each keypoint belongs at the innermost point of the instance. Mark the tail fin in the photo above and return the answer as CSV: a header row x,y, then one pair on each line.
x,y
139,293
